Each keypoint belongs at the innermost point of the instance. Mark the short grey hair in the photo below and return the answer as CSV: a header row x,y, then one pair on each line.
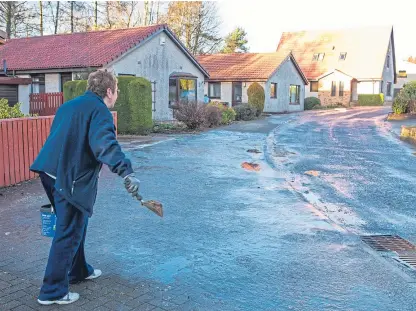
x,y
101,80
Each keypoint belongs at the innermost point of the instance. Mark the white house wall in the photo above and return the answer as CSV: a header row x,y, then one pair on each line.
x,y
308,92
388,74
284,77
369,87
156,62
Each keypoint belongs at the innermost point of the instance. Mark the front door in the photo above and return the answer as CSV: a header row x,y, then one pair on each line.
x,y
237,93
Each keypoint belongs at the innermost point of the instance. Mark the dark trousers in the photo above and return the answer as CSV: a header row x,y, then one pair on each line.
x,y
66,261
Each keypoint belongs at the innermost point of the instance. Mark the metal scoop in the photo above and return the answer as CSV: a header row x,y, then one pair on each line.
x,y
155,206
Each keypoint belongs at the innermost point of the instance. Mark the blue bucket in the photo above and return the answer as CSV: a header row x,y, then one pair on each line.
x,y
48,220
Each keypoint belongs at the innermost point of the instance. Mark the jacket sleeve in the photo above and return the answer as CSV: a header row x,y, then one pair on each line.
x,y
104,145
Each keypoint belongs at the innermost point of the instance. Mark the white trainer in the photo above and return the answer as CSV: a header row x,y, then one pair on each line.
x,y
95,274
67,299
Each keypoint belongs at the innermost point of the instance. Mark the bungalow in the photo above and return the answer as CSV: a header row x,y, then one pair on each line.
x,y
341,64
152,52
406,72
232,74
12,88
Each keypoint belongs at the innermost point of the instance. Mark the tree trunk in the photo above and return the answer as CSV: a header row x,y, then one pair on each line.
x,y
41,18
9,16
146,12
96,15
72,16
57,17
157,13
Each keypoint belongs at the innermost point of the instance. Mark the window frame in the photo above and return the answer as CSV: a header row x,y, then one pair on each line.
x,y
334,88
401,75
209,90
317,84
274,93
297,96
61,78
39,79
388,90
177,79
341,88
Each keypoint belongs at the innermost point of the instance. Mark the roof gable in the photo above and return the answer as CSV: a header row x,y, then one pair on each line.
x,y
80,50
245,66
366,50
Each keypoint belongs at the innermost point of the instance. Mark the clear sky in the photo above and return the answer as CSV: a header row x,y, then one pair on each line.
x,y
264,21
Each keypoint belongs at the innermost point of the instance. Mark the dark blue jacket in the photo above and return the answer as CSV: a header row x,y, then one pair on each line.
x,y
82,138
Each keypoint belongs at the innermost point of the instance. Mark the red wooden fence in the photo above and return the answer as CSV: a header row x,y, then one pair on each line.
x,y
20,142
45,104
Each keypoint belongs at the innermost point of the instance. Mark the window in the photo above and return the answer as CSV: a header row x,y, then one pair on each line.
x,y
182,89
314,86
65,77
381,86
333,88
318,57
388,61
214,90
273,90
38,83
342,55
388,89
341,88
402,74
294,94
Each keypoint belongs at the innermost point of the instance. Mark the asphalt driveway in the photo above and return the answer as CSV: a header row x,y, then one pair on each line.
x,y
232,239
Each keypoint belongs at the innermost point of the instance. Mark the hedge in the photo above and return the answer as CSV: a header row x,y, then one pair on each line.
x,y
69,90
122,106
256,97
133,106
139,92
371,99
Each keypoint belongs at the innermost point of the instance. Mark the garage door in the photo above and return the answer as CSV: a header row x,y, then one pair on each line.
x,y
9,92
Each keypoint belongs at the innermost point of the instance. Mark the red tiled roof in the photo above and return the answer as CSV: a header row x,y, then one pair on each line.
x,y
366,50
76,50
241,66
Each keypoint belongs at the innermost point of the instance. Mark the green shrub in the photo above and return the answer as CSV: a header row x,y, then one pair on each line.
x,y
192,113
256,97
405,101
81,87
123,107
139,94
73,89
69,90
213,115
7,112
227,113
311,102
245,112
371,99
133,106
399,106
